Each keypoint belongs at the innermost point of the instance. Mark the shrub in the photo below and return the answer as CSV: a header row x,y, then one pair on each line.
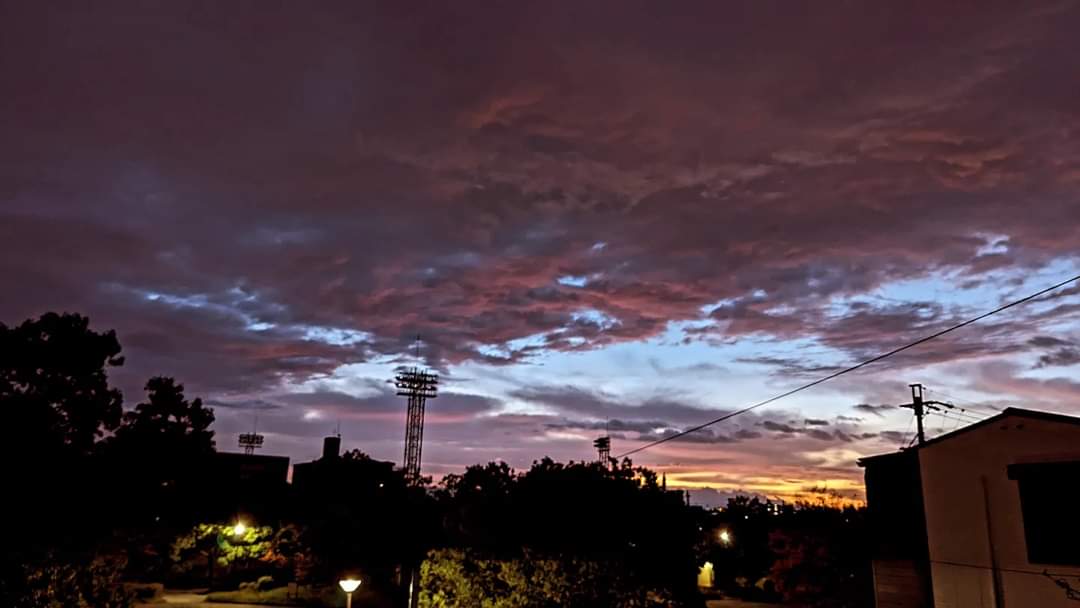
x,y
455,577
90,582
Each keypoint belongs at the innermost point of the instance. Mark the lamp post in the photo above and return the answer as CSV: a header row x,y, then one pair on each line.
x,y
348,585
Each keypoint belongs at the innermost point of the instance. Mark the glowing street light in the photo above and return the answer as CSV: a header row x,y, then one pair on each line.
x,y
348,585
239,529
725,537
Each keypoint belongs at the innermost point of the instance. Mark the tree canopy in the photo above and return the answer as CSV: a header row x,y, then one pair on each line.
x,y
559,521
54,384
82,462
168,421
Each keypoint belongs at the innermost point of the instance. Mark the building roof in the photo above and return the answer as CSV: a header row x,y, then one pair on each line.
x,y
1015,412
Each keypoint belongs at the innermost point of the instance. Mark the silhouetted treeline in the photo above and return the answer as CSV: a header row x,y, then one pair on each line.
x,y
99,495
614,531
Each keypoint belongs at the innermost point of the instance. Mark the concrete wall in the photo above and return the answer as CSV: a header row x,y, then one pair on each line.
x,y
971,503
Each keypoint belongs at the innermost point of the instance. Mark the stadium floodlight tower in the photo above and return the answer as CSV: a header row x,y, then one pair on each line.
x,y
418,386
603,451
253,440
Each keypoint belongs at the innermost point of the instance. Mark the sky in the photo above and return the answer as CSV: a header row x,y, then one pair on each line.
x,y
624,217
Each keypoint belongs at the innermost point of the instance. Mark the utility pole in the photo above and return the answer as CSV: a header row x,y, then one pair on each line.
x,y
920,406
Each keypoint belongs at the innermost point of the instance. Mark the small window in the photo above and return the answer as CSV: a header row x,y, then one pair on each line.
x,y
1048,493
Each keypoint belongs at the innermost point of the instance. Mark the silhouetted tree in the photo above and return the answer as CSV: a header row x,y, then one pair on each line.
x,y
54,387
476,505
169,421
156,464
558,521
57,404
742,563
822,558
83,471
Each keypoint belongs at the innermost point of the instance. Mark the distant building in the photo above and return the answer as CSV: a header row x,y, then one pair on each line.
x,y
251,469
332,473
983,517
235,484
304,472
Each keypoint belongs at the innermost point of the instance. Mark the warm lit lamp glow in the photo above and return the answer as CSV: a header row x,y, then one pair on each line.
x,y
348,585
239,528
725,537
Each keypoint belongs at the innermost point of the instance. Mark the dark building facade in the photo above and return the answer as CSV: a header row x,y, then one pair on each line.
x,y
333,473
982,517
245,484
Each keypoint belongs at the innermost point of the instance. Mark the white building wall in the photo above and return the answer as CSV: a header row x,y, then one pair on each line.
x,y
965,486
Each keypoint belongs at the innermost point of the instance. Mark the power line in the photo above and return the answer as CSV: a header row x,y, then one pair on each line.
x,y
970,417
962,415
904,440
956,419
969,405
958,414
847,370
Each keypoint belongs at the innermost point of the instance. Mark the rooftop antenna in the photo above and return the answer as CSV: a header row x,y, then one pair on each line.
x,y
417,386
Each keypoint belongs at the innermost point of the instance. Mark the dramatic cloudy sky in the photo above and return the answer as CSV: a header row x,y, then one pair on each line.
x,y
636,215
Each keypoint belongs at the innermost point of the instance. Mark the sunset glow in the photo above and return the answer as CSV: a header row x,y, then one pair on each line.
x,y
598,222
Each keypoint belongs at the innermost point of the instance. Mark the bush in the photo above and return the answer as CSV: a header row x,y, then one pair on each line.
x,y
455,577
90,582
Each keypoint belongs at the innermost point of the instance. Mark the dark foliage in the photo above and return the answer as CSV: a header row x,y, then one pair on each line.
x,y
808,554
157,457
67,580
80,463
618,517
822,558
54,387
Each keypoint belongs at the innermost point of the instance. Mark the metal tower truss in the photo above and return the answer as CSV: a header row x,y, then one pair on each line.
x,y
418,386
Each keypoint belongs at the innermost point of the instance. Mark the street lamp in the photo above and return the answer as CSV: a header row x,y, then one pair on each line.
x,y
239,529
725,537
348,585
